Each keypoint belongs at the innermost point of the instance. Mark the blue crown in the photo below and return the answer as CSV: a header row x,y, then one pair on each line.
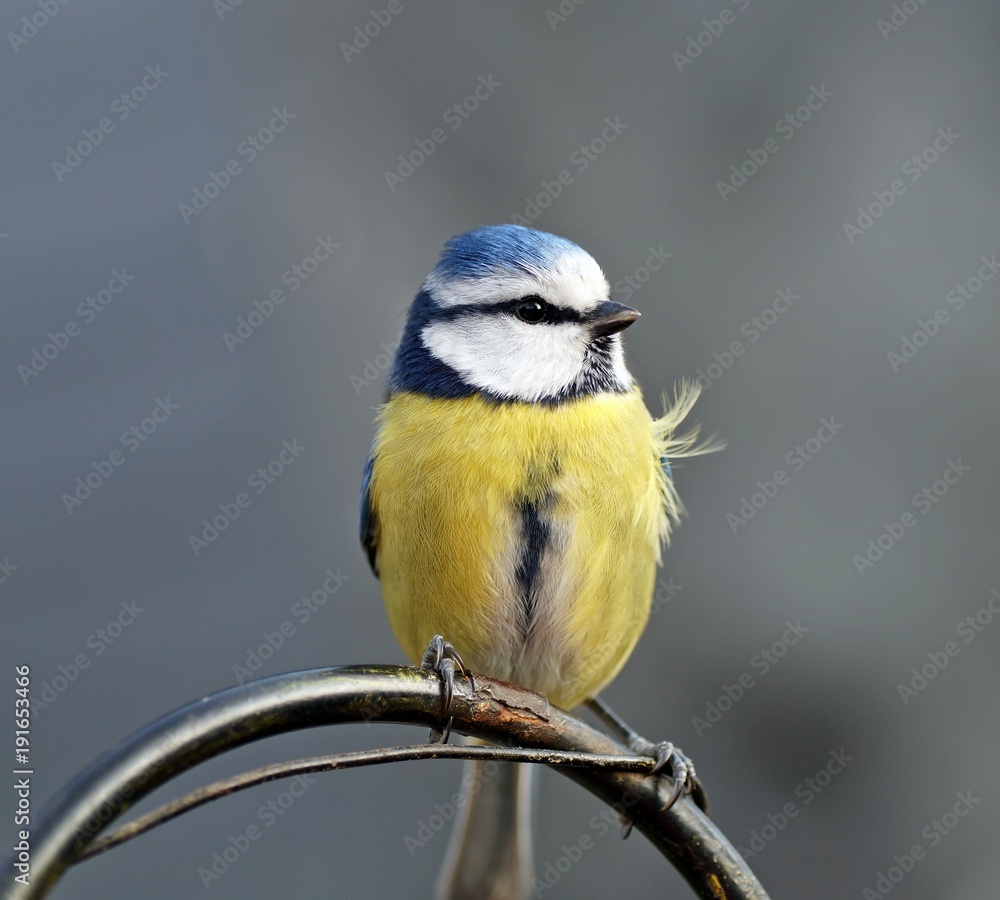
x,y
495,248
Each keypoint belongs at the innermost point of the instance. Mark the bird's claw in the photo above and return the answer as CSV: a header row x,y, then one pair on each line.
x,y
667,756
443,658
664,755
684,780
681,767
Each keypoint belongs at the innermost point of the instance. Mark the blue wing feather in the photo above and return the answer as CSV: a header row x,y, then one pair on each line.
x,y
367,521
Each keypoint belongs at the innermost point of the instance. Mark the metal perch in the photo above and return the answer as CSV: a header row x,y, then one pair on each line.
x,y
494,711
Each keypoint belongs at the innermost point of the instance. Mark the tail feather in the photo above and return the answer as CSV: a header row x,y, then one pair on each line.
x,y
490,855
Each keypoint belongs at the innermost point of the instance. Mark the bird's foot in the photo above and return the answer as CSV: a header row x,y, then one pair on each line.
x,y
443,658
667,757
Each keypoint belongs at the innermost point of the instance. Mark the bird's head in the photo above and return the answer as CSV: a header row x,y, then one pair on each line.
x,y
517,315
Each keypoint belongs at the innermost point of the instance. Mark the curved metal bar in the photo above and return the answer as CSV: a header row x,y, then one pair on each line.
x,y
356,759
494,711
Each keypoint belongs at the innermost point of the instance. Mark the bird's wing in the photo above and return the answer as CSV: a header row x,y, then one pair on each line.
x,y
368,521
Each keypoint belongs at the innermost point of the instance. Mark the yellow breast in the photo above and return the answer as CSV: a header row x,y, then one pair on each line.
x,y
527,535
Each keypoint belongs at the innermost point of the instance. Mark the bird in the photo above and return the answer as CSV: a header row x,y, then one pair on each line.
x,y
516,499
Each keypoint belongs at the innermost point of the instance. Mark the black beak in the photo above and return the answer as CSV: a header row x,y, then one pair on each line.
x,y
611,317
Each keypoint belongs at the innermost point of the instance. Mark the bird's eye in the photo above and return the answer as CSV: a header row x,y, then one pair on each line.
x,y
531,310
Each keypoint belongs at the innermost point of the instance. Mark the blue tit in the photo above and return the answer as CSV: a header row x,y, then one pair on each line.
x,y
517,496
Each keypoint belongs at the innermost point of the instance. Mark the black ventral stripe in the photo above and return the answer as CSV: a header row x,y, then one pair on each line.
x,y
536,532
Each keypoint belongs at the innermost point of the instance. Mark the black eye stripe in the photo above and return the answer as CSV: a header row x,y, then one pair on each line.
x,y
554,315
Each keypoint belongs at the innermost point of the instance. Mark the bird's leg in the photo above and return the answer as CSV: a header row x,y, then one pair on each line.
x,y
683,776
442,658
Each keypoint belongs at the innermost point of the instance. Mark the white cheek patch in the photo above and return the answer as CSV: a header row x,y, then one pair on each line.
x,y
510,358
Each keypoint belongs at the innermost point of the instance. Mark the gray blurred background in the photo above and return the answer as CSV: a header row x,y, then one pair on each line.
x,y
690,104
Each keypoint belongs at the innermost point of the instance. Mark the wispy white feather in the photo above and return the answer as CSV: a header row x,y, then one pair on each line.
x,y
672,446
